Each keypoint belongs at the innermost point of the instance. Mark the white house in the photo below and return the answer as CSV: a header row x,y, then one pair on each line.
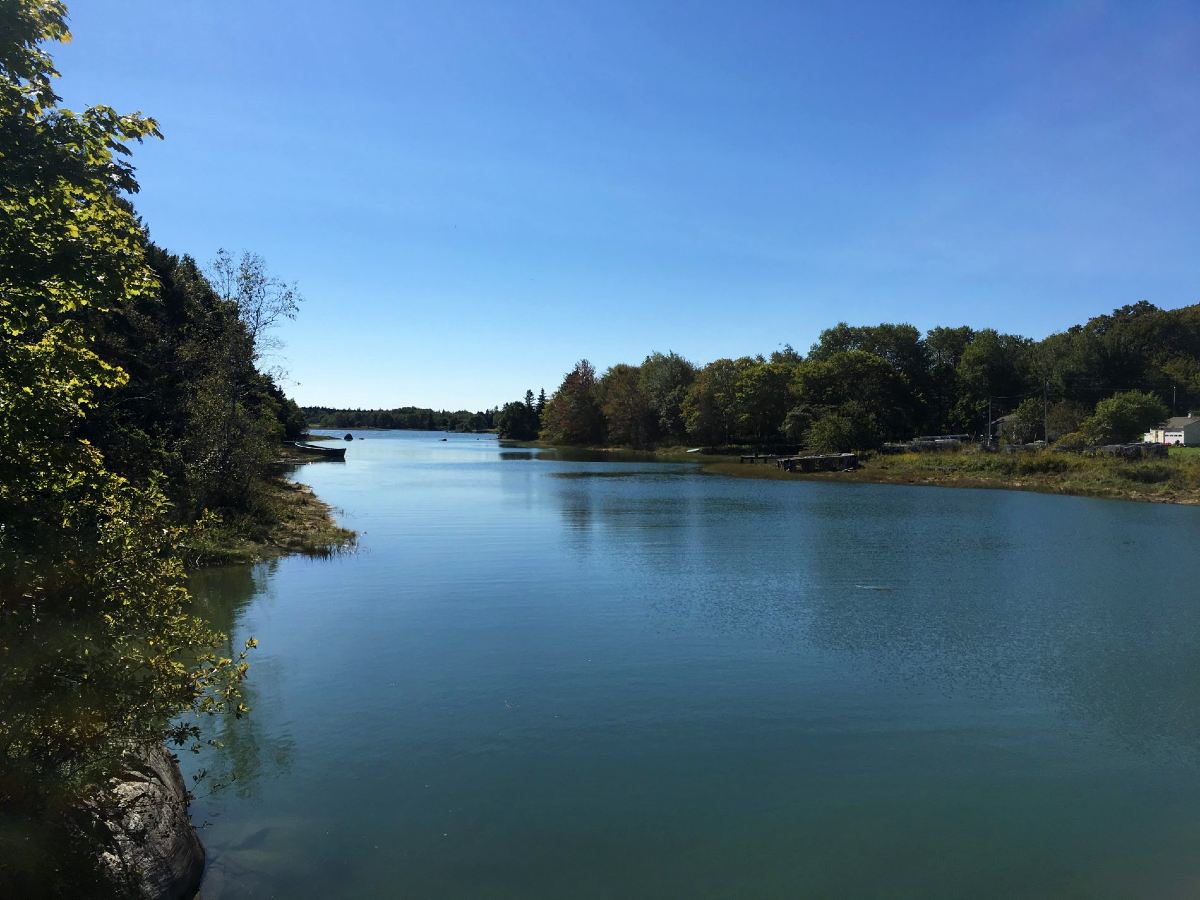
x,y
1183,430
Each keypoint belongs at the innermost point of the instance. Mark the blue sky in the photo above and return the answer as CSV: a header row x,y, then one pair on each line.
x,y
474,195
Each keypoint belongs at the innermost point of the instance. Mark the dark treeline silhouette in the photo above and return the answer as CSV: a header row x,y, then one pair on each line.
x,y
521,420
411,418
196,409
861,386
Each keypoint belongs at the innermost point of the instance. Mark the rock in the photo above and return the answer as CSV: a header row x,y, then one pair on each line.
x,y
148,841
349,436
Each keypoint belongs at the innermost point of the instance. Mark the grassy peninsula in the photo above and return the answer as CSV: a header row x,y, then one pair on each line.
x,y
293,520
1173,480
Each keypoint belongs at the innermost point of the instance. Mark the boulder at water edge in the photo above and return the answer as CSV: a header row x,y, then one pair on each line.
x,y
148,841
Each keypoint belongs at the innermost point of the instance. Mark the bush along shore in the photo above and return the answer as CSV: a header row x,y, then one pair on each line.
x,y
141,423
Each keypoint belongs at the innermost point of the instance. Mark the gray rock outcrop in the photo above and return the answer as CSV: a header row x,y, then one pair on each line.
x,y
148,842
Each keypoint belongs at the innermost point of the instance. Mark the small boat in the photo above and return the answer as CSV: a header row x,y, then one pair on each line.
x,y
318,450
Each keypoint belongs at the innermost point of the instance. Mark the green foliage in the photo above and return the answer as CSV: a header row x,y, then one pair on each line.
x,y
990,366
830,432
573,414
900,384
627,413
1027,422
1064,417
519,421
858,386
762,397
798,421
404,418
1123,417
1148,473
663,380
710,406
1041,462
851,426
129,404
1073,440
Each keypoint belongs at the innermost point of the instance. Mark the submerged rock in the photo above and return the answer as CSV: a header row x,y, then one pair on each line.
x,y
147,840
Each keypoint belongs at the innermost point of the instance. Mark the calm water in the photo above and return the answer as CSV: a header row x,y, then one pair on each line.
x,y
550,678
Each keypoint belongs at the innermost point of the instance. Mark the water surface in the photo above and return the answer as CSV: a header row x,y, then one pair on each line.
x,y
545,675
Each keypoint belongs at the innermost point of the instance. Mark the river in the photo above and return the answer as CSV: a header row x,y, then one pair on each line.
x,y
546,676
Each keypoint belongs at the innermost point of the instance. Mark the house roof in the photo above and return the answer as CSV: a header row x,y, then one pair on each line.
x,y
1178,422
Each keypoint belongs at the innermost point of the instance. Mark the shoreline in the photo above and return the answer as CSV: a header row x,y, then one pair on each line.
x,y
1175,480
869,474
299,523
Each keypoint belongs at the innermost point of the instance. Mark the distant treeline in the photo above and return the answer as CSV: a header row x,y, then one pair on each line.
x,y
860,386
412,418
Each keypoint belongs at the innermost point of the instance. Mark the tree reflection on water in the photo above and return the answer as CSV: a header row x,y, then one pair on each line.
x,y
238,752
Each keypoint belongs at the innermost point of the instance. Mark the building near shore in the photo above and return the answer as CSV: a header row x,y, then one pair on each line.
x,y
1182,430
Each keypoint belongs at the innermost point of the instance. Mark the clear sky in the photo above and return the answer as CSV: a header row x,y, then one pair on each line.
x,y
474,195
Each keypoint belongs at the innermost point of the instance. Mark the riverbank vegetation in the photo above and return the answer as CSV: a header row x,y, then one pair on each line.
x,y
859,387
1175,479
139,417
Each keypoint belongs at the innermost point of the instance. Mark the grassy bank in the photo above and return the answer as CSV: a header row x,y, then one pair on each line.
x,y
286,517
1173,480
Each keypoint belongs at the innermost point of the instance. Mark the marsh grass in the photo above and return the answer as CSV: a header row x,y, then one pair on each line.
x,y
1173,480
285,517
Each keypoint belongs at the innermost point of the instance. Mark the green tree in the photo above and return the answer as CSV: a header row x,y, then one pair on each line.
x,y
99,651
517,421
944,348
830,432
990,367
573,414
1123,417
627,414
710,406
1027,422
857,385
762,398
664,380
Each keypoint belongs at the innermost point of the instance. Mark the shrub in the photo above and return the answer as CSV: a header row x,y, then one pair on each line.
x,y
1041,463
1074,440
1123,417
1147,473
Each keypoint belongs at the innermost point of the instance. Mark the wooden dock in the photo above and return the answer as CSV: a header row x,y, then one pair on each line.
x,y
760,458
822,462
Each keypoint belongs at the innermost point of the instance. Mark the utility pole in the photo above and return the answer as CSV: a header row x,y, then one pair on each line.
x,y
1046,413
989,424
